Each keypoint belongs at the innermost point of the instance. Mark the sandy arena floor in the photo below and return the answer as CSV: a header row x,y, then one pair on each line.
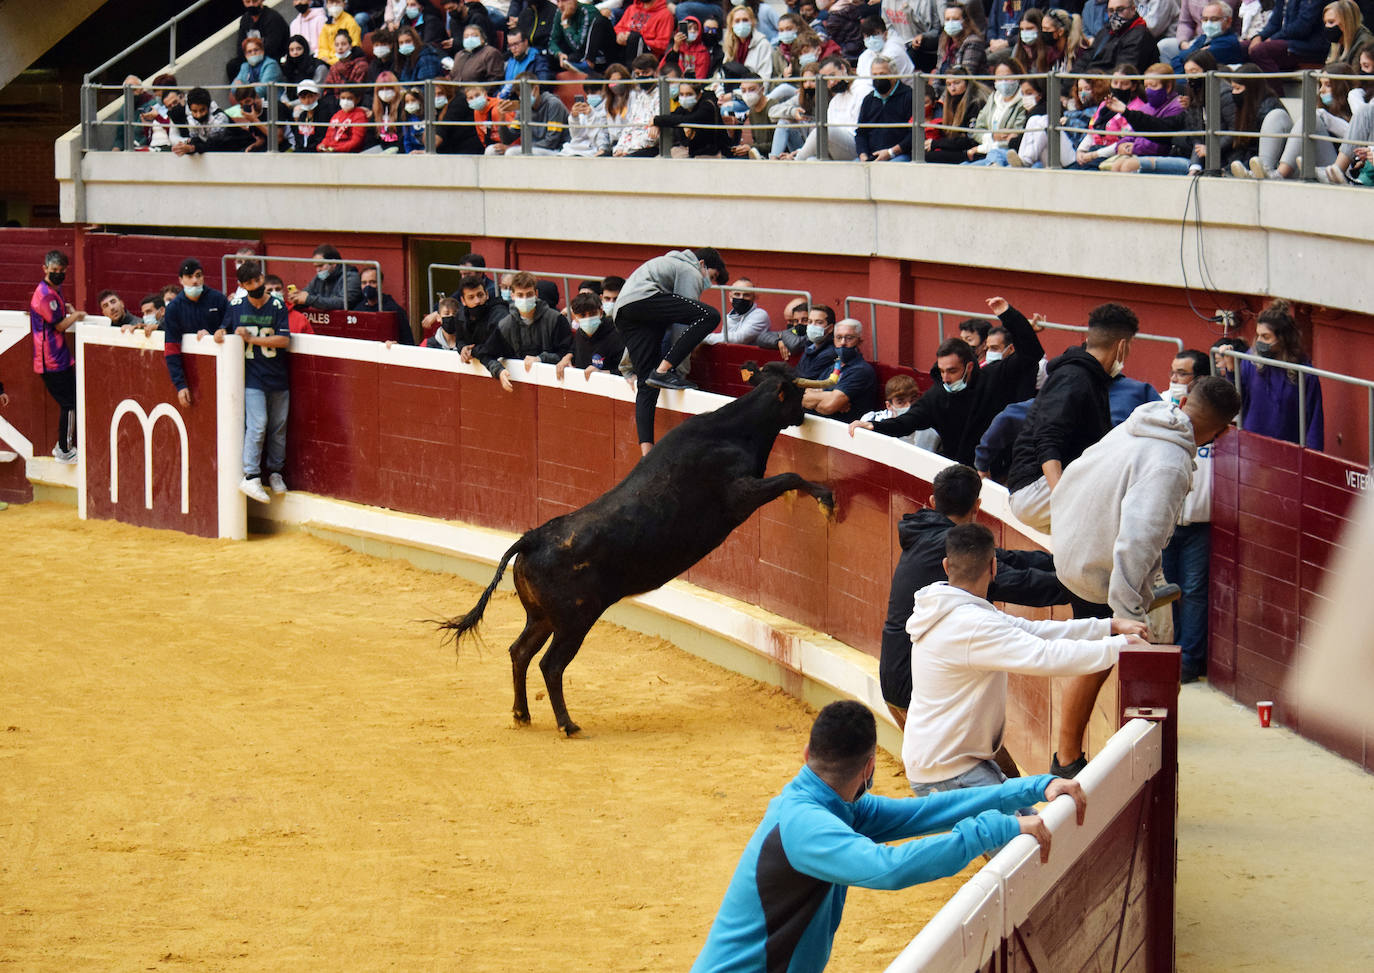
x,y
238,756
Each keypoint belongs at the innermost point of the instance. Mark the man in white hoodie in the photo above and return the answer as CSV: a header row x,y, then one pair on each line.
x,y
961,651
1114,511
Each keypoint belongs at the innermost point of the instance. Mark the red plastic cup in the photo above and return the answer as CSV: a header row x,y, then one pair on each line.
x,y
1266,710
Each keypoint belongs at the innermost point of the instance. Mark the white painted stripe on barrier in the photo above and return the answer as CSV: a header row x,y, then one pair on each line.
x,y
229,432
954,940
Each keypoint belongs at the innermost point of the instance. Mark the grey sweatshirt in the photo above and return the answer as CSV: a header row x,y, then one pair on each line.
x,y
1115,508
676,272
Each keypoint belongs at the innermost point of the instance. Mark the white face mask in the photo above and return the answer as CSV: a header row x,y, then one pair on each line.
x,y
751,98
346,104
150,319
1117,368
607,307
334,10
525,305
899,411
588,326
993,356
874,42
387,95
1177,392
1028,102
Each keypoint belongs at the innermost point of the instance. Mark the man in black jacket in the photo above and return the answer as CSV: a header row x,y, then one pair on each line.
x,y
1071,412
966,398
1023,577
376,300
334,287
889,103
532,331
1125,40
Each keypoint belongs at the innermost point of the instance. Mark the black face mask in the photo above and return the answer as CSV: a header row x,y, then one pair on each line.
x,y
846,355
1333,34
449,323
1124,94
882,85
257,292
839,86
1047,39
303,7
710,36
57,277
741,305
1264,348
370,295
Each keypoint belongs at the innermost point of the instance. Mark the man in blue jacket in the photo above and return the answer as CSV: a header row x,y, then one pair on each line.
x,y
1215,35
824,833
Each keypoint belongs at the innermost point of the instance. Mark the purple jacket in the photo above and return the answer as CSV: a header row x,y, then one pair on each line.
x,y
1269,404
1169,109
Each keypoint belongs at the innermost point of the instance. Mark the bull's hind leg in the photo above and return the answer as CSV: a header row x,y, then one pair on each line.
x,y
522,650
561,651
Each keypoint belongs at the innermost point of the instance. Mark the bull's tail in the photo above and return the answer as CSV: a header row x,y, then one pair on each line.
x,y
457,628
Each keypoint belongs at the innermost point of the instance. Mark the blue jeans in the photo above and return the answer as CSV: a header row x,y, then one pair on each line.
x,y
1165,165
1185,564
789,137
985,774
264,420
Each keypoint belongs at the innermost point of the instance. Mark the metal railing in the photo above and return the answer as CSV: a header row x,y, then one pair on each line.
x,y
1301,371
343,262
516,114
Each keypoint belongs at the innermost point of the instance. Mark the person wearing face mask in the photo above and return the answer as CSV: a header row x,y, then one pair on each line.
x,y
588,132
207,128
842,114
477,61
258,69
447,335
637,136
745,45
337,21
1295,32
299,65
696,107
1114,512
818,355
307,23
353,65
310,119
1071,412
825,832
375,301
151,308
965,397
961,45
1186,556
1107,122
646,24
879,42
50,316
198,310
852,387
261,320
898,395
1003,115
597,345
1215,35
415,60
745,322
1161,105
689,53
347,128
1269,393
267,26
1023,577
1124,40
422,18
466,323
335,285
887,104
532,331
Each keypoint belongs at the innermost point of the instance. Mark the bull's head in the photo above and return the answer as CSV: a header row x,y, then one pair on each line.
x,y
783,383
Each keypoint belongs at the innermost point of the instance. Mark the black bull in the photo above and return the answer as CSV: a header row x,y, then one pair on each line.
x,y
702,480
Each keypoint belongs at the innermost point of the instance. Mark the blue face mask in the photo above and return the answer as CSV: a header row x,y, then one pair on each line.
x,y
1211,28
505,293
594,100
254,59
815,332
471,43
1327,99
405,49
588,326
193,291
806,57
958,386
322,274
786,36
525,305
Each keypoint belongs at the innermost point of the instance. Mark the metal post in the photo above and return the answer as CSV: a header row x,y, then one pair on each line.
x,y
273,110
1309,126
1302,410
172,43
526,141
1212,143
872,322
918,124
1369,455
1053,92
129,108
429,117
87,115
665,105
1235,362
822,123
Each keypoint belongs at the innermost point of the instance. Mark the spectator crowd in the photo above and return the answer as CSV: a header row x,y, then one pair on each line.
x,y
415,76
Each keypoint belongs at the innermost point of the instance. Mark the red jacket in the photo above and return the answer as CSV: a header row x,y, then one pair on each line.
x,y
654,22
346,131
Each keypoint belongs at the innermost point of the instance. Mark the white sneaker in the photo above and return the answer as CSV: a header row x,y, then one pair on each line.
x,y
67,456
252,489
277,484
1239,171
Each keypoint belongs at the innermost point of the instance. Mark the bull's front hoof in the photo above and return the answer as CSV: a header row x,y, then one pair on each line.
x,y
570,728
521,719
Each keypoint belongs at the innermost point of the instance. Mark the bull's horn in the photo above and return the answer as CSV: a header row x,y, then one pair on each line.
x,y
813,383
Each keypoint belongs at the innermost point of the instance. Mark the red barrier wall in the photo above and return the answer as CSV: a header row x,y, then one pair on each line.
x,y
1278,512
136,265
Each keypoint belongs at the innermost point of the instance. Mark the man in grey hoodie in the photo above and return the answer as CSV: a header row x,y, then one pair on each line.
x,y
1114,510
663,292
